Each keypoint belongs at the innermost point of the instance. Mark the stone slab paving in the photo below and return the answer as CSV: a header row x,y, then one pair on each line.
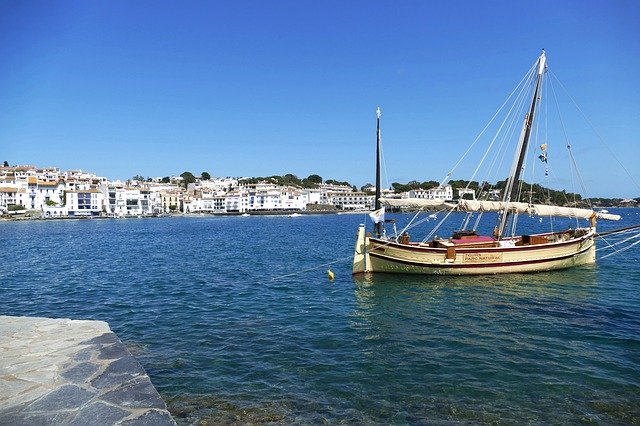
x,y
71,372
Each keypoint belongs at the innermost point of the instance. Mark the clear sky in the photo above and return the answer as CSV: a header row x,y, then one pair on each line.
x,y
256,88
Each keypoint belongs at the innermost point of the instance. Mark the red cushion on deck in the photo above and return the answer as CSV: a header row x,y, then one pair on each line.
x,y
473,240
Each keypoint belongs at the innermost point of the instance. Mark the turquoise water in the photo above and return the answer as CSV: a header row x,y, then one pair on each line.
x,y
229,332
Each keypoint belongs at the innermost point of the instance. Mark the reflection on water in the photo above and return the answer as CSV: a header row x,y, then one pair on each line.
x,y
575,283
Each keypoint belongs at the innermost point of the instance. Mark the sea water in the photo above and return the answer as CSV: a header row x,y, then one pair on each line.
x,y
235,321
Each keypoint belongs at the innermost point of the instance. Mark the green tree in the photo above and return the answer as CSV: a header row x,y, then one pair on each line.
x,y
400,187
6,163
455,184
311,181
290,179
187,178
205,176
314,178
429,184
139,178
166,179
335,182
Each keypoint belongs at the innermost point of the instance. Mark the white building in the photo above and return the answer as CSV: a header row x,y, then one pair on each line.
x,y
84,202
216,204
30,192
127,201
218,186
350,200
236,201
42,193
9,195
439,193
292,199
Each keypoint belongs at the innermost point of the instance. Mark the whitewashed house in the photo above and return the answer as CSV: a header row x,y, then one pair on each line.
x,y
350,200
237,201
84,202
438,193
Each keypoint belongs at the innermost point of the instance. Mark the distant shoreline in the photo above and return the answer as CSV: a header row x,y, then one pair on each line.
x,y
24,216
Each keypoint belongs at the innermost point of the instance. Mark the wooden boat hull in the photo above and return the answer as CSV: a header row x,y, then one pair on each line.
x,y
377,255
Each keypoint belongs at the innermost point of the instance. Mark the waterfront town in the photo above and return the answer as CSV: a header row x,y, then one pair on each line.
x,y
51,193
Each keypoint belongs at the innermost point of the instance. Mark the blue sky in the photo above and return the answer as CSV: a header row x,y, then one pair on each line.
x,y
256,88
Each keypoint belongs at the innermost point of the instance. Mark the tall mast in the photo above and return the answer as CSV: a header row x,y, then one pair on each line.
x,y
378,226
523,144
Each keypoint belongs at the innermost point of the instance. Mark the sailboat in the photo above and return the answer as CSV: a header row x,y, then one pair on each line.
x,y
466,252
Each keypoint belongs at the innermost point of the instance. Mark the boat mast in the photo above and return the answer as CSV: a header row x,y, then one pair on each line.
x,y
377,228
518,161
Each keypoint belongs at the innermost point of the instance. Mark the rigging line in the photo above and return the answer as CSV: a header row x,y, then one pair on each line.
x,y
466,220
528,157
513,133
475,225
573,165
547,199
511,115
534,151
420,222
515,215
493,140
519,100
596,131
411,221
616,231
488,124
435,228
618,242
554,178
620,250
311,269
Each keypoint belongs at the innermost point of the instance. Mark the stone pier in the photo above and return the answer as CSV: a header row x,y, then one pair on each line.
x,y
70,372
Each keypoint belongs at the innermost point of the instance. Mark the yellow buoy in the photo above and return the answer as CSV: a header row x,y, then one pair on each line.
x,y
330,273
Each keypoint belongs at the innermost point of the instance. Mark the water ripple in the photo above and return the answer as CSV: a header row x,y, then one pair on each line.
x,y
195,300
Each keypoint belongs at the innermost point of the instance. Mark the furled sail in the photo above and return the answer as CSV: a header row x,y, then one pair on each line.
x,y
492,206
545,210
421,203
608,216
475,206
532,209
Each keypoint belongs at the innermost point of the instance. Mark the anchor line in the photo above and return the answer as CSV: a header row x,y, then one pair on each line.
x,y
615,231
304,271
620,250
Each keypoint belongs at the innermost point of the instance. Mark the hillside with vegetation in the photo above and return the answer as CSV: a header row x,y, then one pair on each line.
x,y
534,193
312,181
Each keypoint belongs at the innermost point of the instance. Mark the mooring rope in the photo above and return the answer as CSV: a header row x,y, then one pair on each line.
x,y
617,243
621,250
304,271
